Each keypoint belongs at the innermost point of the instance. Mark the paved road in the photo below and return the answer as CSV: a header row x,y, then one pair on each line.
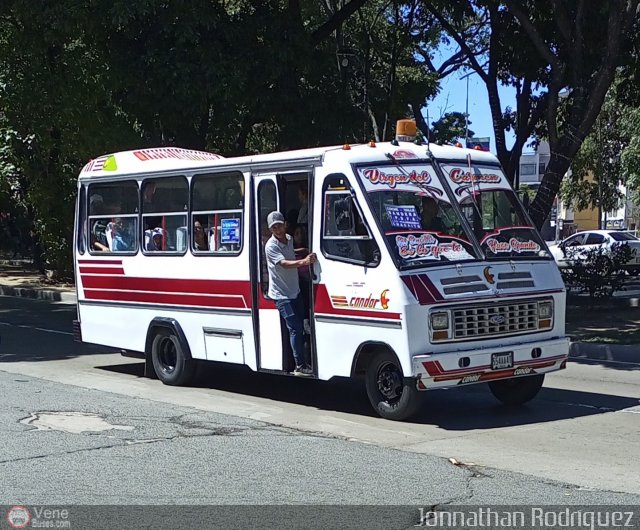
x,y
243,438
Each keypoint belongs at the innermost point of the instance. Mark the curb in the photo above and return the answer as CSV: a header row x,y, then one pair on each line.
x,y
38,294
611,353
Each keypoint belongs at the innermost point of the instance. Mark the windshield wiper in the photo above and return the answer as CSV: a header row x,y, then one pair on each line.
x,y
433,192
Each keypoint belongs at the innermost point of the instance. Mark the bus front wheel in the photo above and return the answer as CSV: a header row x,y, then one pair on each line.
x,y
170,363
393,396
517,391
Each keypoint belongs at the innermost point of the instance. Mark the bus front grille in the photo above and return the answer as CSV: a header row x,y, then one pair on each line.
x,y
482,321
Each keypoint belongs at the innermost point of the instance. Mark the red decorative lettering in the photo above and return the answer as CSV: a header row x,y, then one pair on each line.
x,y
513,244
459,176
376,176
425,246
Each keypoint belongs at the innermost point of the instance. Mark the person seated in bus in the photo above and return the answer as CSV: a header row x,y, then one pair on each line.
x,y
199,237
284,286
117,236
99,236
429,219
153,239
99,226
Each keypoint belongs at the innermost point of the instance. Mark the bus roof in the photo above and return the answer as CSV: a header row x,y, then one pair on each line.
x,y
170,159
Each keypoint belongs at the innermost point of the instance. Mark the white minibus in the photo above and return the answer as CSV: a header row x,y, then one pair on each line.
x,y
430,274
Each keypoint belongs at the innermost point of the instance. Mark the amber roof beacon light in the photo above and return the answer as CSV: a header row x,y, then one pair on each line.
x,y
406,130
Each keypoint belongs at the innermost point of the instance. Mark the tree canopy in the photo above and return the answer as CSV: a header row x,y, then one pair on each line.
x,y
559,55
236,77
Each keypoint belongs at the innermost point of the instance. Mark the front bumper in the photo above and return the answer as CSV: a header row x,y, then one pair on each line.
x,y
442,370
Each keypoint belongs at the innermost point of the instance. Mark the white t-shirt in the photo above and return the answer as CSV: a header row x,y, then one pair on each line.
x,y
283,283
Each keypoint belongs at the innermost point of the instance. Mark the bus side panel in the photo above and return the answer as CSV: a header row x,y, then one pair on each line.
x,y
350,312
208,296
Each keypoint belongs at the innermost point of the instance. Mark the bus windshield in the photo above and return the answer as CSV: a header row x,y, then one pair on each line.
x,y
415,215
493,212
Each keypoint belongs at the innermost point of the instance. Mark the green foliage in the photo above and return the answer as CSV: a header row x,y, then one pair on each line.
x,y
451,127
630,157
600,272
83,79
57,113
596,172
560,58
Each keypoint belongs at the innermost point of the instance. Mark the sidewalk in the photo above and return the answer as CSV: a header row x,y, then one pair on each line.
x,y
18,279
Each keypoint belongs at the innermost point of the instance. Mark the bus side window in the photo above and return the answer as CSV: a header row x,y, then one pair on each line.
x,y
113,217
217,213
345,235
164,214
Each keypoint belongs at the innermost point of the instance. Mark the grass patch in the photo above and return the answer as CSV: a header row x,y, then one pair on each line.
x,y
604,325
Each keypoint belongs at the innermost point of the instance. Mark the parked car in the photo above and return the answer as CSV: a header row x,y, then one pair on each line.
x,y
575,247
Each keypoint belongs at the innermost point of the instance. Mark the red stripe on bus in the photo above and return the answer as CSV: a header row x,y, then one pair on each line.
x,y
263,303
435,369
168,299
170,285
422,289
102,270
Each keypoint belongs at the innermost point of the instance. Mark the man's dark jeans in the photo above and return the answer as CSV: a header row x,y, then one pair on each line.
x,y
293,314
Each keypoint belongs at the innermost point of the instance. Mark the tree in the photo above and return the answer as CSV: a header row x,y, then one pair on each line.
x,y
596,171
56,114
232,77
450,127
377,59
561,57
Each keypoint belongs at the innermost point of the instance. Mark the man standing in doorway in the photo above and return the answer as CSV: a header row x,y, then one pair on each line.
x,y
284,287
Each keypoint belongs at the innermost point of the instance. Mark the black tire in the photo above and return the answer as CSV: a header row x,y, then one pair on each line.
x,y
518,390
393,396
170,363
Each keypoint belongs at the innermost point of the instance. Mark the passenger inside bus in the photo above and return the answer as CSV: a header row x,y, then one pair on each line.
x,y
118,236
429,219
153,239
291,221
303,197
99,226
199,237
304,274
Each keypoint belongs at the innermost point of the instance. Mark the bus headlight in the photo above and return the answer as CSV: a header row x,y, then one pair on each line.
x,y
545,314
439,321
439,325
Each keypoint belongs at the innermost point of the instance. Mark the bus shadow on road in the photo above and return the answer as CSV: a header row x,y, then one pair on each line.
x,y
472,407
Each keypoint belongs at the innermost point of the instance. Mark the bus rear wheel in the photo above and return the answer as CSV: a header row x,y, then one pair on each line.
x,y
170,363
517,391
393,396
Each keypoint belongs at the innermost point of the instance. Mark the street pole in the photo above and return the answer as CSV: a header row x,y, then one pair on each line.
x,y
466,118
466,111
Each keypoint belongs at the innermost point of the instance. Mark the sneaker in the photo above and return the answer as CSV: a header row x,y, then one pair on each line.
x,y
303,371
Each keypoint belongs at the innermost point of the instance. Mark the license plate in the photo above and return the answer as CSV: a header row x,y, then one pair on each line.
x,y
502,360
